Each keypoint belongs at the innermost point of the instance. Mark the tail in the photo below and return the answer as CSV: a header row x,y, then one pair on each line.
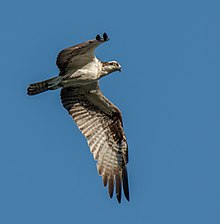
x,y
43,86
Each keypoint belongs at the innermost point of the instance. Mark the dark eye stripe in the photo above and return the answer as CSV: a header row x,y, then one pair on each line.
x,y
115,64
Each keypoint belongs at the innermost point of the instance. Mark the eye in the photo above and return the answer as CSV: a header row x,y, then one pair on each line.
x,y
114,63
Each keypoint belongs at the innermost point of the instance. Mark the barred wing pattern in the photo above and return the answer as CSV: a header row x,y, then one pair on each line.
x,y
101,123
75,57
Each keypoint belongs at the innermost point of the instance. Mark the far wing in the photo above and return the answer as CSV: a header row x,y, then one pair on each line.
x,y
101,123
79,55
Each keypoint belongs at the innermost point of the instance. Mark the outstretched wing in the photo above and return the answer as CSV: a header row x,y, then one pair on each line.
x,y
101,123
77,56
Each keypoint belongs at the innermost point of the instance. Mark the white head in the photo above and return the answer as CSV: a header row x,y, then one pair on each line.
x,y
109,67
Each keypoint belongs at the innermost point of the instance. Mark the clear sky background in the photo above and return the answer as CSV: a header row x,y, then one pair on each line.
x,y
168,92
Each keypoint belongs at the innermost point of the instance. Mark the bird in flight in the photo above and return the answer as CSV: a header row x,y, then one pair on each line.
x,y
99,120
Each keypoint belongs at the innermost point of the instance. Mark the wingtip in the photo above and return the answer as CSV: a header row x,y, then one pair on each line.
x,y
103,38
105,180
119,199
98,37
125,183
127,197
118,187
111,186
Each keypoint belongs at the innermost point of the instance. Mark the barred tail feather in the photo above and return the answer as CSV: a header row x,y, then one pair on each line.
x,y
39,87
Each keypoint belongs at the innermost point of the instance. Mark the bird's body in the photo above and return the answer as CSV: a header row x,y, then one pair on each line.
x,y
89,73
99,120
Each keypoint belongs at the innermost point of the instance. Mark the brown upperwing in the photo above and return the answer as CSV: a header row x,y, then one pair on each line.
x,y
79,55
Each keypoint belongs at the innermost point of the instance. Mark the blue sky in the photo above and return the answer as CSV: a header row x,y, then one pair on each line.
x,y
168,93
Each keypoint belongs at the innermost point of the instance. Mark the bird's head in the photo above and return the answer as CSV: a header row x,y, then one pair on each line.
x,y
109,67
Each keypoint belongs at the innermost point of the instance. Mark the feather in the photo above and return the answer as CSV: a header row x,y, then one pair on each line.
x,y
105,179
111,186
118,187
125,183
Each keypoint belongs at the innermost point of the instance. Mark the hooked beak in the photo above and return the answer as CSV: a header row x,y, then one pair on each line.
x,y
119,69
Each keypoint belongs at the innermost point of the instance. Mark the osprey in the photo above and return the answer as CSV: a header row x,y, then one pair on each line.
x,y
98,119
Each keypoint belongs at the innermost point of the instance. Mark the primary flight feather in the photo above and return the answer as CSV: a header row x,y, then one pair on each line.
x,y
98,119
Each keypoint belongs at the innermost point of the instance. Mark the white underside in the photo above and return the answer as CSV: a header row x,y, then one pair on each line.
x,y
85,75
